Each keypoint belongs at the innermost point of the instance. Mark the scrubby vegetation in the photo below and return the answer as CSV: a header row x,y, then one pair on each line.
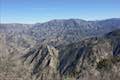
x,y
106,64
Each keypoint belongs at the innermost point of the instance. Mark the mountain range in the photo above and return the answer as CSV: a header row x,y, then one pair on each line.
x,y
68,49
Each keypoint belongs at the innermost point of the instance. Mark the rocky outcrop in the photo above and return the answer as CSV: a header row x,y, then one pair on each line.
x,y
44,60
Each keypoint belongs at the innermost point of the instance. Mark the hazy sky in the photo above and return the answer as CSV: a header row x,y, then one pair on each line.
x,y
32,11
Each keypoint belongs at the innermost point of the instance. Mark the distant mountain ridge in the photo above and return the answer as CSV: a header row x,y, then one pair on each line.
x,y
58,32
72,30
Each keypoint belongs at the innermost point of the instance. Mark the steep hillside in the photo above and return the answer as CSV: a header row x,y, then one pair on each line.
x,y
96,58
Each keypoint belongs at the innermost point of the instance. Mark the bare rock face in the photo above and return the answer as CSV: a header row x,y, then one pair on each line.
x,y
44,60
54,57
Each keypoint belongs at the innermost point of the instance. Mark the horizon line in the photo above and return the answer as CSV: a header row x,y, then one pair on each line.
x,y
56,19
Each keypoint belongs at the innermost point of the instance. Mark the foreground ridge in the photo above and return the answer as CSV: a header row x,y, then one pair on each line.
x,y
91,59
